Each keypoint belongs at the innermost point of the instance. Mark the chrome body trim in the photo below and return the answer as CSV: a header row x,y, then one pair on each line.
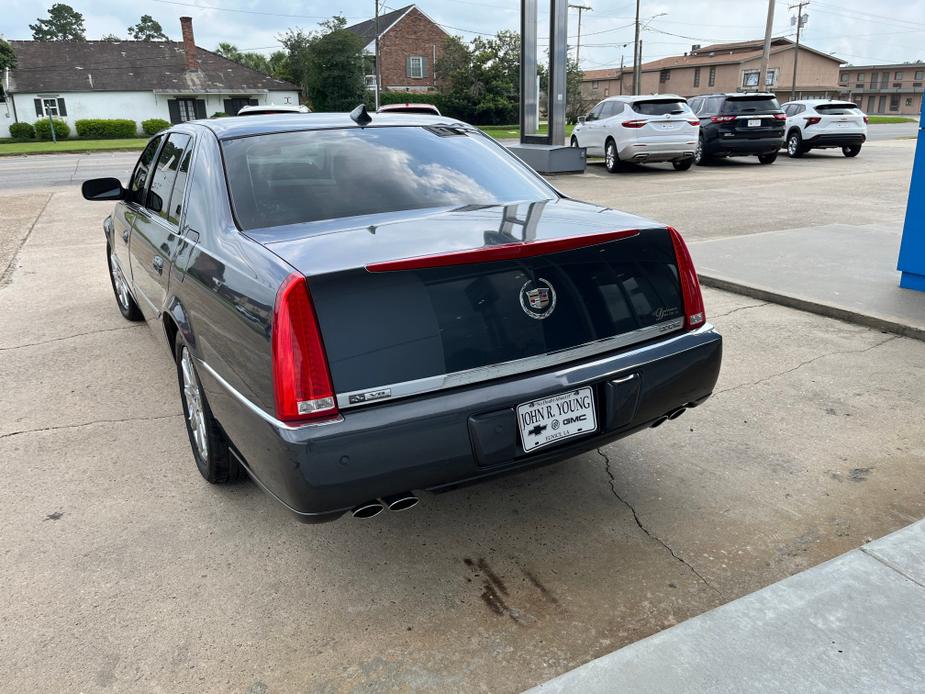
x,y
430,384
266,416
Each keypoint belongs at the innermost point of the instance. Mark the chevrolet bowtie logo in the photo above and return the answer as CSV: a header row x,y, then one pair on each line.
x,y
537,430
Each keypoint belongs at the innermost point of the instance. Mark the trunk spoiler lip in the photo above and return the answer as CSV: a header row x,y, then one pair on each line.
x,y
503,251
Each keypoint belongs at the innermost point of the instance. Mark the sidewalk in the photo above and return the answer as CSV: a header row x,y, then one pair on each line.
x,y
837,270
853,624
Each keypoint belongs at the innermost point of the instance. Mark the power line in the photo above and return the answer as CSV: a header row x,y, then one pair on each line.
x,y
231,9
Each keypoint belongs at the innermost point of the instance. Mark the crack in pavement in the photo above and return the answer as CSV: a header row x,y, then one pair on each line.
x,y
807,362
86,424
70,337
675,555
736,310
7,274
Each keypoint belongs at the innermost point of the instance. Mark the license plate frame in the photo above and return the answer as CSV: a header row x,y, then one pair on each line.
x,y
556,418
754,122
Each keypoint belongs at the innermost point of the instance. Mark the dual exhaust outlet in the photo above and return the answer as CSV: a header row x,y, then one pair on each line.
x,y
395,502
674,414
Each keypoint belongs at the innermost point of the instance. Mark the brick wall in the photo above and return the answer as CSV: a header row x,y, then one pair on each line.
x,y
413,35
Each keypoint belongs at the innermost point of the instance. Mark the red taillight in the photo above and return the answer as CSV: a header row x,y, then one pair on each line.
x,y
694,314
780,116
722,119
812,120
694,122
301,381
866,119
634,123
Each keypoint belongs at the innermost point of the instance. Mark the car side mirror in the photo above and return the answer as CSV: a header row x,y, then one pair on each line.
x,y
103,189
581,120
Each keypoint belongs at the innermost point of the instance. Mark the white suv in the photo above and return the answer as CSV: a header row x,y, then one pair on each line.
x,y
824,124
638,129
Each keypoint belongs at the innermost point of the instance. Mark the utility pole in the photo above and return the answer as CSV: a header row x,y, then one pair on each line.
x,y
621,74
800,21
376,76
580,8
636,54
766,55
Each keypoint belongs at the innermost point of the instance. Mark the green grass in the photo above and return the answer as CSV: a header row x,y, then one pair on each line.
x,y
502,132
11,147
880,120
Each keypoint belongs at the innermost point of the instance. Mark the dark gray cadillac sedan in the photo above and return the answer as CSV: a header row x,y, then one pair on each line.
x,y
362,309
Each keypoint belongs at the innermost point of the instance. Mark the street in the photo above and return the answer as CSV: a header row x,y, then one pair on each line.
x,y
123,570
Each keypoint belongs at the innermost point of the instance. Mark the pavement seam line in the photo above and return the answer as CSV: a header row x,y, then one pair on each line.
x,y
87,424
675,555
890,565
8,271
70,337
808,362
740,308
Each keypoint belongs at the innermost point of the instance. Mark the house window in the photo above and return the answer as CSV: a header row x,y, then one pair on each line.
x,y
919,75
750,78
50,106
187,109
712,79
2,94
843,78
593,84
182,110
770,79
917,84
664,76
873,79
894,102
861,77
908,101
696,76
898,76
416,66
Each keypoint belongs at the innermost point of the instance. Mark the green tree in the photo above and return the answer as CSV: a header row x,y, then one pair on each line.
x,y
63,23
254,61
110,37
147,29
7,55
481,82
328,64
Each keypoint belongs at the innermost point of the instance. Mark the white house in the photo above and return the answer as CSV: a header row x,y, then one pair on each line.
x,y
176,81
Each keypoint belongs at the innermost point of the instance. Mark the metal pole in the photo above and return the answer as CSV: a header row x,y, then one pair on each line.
x,y
621,74
766,55
51,122
580,8
377,55
529,84
636,54
796,52
558,57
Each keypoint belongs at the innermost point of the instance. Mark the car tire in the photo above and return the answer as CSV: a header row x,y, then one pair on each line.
x,y
795,147
574,141
124,299
611,157
207,440
700,158
767,158
683,164
851,150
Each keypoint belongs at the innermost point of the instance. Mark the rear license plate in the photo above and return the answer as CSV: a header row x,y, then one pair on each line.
x,y
667,126
555,418
754,123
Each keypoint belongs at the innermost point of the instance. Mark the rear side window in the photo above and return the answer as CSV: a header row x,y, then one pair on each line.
x,y
611,109
838,109
142,168
290,178
165,173
660,107
179,187
750,104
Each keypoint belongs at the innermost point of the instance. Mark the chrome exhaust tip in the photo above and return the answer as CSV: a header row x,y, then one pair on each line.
x,y
658,422
677,413
400,502
367,510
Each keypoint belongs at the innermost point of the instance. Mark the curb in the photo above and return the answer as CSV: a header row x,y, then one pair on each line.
x,y
877,322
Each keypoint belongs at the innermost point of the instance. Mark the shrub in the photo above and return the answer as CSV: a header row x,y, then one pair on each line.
x,y
43,129
106,128
22,131
153,126
219,114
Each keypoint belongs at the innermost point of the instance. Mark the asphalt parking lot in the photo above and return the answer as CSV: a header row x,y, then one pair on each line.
x,y
124,571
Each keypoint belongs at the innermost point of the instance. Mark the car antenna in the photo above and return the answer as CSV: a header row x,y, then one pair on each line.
x,y
360,116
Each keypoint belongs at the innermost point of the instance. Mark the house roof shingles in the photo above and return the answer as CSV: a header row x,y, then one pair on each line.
x,y
366,30
77,66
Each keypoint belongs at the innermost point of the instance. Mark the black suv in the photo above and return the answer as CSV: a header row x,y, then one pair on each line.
x,y
737,125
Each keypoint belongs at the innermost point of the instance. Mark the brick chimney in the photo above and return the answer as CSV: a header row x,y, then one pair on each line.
x,y
189,43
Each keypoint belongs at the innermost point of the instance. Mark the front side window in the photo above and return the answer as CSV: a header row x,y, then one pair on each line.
x,y
611,109
142,168
596,111
308,176
416,66
165,173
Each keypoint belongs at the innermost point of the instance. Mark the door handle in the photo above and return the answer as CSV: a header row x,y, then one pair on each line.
x,y
158,264
125,235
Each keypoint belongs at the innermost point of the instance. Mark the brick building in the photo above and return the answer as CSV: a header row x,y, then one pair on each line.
x,y
410,45
892,90
723,67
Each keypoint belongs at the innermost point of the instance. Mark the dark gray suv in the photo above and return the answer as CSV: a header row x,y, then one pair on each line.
x,y
739,125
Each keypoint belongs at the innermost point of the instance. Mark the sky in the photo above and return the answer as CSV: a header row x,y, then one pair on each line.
x,y
858,31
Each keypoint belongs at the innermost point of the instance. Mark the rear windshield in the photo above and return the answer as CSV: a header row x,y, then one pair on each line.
x,y
838,109
660,107
750,104
290,178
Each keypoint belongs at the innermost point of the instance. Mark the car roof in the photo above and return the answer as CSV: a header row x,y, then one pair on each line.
x,y
631,98
816,102
728,94
245,126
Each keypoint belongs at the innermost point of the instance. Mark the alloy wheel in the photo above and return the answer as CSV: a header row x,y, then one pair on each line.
x,y
118,279
698,153
610,156
793,146
194,406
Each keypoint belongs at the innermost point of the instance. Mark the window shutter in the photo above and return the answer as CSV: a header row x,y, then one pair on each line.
x,y
200,108
174,108
252,102
38,108
62,111
229,107
424,67
407,66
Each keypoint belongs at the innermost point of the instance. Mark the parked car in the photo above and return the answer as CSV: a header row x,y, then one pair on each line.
x,y
639,129
360,313
272,109
426,109
824,124
739,125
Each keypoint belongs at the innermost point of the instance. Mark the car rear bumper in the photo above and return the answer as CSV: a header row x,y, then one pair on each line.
x,y
458,436
743,146
673,150
835,140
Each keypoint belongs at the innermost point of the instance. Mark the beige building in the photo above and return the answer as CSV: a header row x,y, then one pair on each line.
x,y
724,67
891,90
